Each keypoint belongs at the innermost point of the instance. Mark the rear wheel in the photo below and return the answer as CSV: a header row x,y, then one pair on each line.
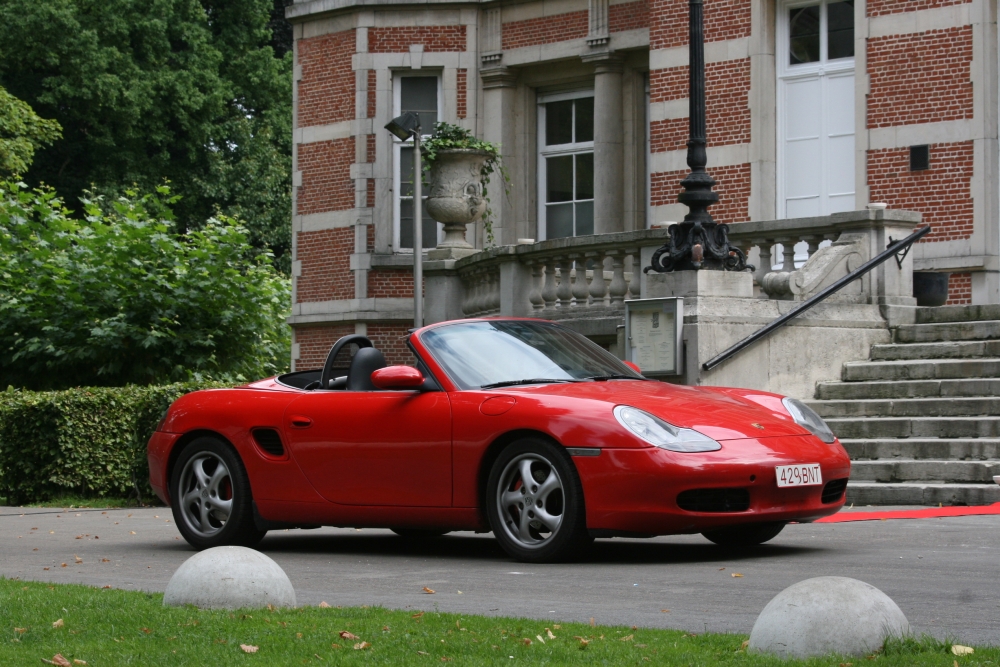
x,y
745,536
534,502
211,499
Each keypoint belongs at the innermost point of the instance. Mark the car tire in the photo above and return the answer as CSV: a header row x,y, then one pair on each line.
x,y
749,535
419,533
541,521
210,496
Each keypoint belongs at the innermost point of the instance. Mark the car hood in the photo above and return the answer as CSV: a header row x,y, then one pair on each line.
x,y
720,413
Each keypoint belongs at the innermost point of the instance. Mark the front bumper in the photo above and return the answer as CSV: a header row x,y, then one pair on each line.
x,y
636,490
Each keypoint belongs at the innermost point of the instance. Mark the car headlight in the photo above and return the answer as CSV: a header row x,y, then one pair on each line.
x,y
807,418
661,434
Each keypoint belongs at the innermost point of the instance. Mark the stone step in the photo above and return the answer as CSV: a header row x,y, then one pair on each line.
x,y
964,349
947,331
908,389
908,407
958,313
955,449
929,369
921,493
925,470
915,427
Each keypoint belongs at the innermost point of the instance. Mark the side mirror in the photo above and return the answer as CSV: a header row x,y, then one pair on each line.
x,y
632,366
397,377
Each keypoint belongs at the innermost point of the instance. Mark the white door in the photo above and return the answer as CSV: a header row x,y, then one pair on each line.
x,y
815,108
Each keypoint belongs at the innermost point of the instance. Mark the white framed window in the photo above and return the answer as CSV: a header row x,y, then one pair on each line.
x,y
815,67
418,91
565,164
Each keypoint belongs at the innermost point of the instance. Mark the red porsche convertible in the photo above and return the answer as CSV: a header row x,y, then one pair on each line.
x,y
517,426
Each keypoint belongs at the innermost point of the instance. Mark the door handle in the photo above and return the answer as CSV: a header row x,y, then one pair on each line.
x,y
301,422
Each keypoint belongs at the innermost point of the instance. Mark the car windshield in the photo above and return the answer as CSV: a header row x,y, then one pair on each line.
x,y
491,353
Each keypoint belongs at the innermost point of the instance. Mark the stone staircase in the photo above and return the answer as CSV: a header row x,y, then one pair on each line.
x,y
921,418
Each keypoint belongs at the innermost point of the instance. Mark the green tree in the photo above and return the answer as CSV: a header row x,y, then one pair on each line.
x,y
187,90
22,132
117,296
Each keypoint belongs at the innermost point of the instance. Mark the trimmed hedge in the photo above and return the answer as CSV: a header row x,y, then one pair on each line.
x,y
89,442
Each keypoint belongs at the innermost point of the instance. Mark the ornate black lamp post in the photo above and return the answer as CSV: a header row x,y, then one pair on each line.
x,y
698,242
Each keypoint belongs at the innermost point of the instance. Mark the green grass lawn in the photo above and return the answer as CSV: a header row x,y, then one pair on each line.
x,y
106,627
75,502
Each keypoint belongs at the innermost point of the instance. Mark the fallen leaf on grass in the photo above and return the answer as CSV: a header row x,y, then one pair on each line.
x,y
527,642
416,616
344,634
549,633
746,642
958,649
58,623
324,605
445,658
583,642
846,664
640,646
956,663
736,575
539,638
334,645
58,659
422,653
247,648
77,661
361,646
298,635
148,631
627,638
557,626
429,591
108,586
592,624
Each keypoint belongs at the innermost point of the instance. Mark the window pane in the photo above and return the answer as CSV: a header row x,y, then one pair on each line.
x,y
429,229
419,94
559,177
406,173
840,35
804,35
585,119
558,221
585,176
559,123
584,218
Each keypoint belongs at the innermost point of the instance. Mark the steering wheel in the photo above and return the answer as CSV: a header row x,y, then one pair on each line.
x,y
327,375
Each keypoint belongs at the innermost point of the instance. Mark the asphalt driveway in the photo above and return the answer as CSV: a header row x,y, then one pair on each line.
x,y
943,573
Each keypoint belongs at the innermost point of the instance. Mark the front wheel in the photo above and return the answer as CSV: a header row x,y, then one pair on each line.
x,y
210,496
534,502
749,535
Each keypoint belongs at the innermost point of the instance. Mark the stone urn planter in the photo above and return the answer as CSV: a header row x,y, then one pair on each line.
x,y
930,288
455,198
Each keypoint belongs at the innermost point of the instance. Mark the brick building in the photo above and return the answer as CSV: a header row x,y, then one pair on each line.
x,y
814,107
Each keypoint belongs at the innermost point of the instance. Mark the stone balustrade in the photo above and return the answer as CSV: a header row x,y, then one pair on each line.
x,y
584,281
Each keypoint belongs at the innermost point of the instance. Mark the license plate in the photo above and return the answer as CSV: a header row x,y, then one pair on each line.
x,y
803,474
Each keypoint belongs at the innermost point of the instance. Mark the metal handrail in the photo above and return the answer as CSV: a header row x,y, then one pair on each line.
x,y
894,248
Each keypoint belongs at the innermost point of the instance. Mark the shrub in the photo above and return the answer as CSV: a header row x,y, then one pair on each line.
x,y
89,442
119,297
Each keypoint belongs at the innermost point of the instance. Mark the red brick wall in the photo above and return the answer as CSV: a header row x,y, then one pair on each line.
x,y
920,78
390,284
883,7
628,16
461,92
326,272
372,88
942,193
391,339
733,187
724,19
727,86
315,343
326,176
326,90
959,289
399,39
545,30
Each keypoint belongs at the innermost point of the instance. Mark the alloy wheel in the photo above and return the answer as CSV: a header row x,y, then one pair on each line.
x,y
530,500
206,494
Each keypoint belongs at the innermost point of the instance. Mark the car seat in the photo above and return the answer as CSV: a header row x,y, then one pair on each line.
x,y
366,361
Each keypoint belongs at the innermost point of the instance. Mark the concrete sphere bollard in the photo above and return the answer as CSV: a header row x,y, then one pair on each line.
x,y
827,615
229,578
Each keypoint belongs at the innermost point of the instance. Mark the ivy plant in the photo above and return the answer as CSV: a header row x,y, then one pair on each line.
x,y
447,136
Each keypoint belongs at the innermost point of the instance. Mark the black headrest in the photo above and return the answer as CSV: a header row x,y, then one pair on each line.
x,y
365,362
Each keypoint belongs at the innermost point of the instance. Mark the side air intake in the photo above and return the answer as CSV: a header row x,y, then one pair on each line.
x,y
834,490
714,500
269,440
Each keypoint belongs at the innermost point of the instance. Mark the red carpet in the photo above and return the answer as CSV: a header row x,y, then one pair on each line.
x,y
929,513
